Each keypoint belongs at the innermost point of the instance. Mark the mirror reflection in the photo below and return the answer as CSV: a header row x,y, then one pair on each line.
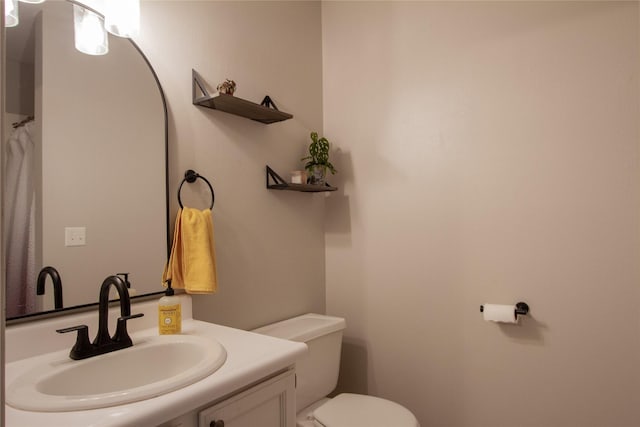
x,y
85,171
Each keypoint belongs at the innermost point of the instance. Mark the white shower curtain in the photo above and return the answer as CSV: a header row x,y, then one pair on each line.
x,y
19,224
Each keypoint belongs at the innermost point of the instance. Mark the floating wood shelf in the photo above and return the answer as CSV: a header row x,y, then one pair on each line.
x,y
266,113
281,184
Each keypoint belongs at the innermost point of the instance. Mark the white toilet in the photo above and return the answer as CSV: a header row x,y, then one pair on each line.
x,y
317,376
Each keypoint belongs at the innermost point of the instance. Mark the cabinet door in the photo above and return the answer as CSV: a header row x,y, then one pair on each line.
x,y
268,404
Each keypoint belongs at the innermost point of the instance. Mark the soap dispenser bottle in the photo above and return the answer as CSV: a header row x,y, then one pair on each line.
x,y
169,313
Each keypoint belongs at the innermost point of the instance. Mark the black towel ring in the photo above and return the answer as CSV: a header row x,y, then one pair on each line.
x,y
190,176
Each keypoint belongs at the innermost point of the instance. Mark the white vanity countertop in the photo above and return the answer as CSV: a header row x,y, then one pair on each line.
x,y
250,358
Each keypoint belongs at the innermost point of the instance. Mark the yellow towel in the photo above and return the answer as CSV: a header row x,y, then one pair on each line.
x,y
192,263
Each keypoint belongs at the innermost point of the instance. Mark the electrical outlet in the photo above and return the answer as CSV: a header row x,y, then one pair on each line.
x,y
75,236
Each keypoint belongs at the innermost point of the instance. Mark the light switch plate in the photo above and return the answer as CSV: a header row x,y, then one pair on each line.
x,y
75,236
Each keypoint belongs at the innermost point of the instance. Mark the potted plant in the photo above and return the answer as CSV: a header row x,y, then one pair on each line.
x,y
318,160
227,87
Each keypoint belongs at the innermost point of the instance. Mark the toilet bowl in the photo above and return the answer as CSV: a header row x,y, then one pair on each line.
x,y
317,376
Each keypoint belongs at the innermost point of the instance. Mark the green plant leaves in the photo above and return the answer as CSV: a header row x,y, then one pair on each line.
x,y
318,153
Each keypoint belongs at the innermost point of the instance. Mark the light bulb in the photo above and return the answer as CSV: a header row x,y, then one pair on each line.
x,y
32,1
122,17
11,13
90,35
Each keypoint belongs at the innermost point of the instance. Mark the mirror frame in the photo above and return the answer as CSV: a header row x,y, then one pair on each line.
x,y
86,307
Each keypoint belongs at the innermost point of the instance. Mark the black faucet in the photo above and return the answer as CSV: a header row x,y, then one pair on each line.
x,y
103,342
57,285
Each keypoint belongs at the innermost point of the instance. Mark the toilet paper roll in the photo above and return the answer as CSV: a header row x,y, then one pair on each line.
x,y
499,313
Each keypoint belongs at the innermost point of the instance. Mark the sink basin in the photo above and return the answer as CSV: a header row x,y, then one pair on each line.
x,y
153,366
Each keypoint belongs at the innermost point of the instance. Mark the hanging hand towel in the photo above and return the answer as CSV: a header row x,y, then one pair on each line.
x,y
192,264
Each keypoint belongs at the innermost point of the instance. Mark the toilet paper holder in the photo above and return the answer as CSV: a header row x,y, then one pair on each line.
x,y
521,308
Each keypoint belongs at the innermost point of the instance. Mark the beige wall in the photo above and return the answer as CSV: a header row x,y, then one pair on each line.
x,y
270,244
20,83
489,153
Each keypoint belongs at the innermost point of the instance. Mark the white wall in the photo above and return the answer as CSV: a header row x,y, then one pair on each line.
x,y
270,244
488,153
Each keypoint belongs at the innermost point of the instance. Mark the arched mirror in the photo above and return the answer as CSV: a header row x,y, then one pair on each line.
x,y
86,179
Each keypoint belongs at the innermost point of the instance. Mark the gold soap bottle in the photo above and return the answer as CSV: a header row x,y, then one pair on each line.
x,y
169,313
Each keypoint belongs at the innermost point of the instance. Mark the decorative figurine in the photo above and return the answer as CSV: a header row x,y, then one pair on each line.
x,y
227,87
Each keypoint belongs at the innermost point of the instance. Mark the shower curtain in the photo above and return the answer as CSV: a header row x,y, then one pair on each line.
x,y
19,223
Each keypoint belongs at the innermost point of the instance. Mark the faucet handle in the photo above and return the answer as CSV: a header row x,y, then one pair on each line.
x,y
121,334
80,328
133,316
83,346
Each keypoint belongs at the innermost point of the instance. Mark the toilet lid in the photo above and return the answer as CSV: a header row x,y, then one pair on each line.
x,y
357,410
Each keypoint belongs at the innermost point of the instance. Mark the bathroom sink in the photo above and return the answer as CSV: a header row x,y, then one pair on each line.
x,y
153,366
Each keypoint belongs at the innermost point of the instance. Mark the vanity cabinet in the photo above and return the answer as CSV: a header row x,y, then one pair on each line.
x,y
270,403
255,387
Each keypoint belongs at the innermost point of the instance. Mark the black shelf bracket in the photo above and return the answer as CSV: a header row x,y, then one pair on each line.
x,y
198,84
273,176
268,102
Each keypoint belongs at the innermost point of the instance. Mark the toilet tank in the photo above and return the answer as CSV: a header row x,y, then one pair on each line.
x,y
317,371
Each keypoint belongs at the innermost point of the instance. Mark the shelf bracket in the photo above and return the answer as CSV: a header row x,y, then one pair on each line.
x,y
268,102
196,84
277,179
